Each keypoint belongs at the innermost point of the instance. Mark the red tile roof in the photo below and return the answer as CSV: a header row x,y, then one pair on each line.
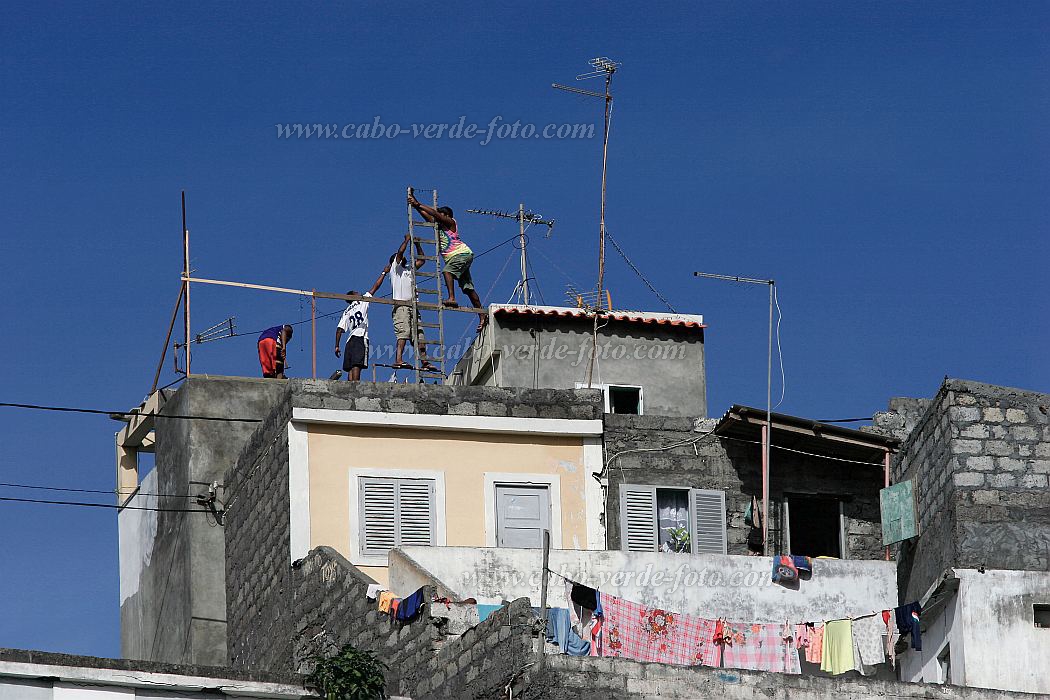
x,y
624,316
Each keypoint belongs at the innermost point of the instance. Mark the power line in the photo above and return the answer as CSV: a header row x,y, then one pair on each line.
x,y
113,492
102,412
498,245
111,506
639,272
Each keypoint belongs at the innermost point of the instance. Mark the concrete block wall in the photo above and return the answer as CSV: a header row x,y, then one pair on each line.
x,y
734,467
980,460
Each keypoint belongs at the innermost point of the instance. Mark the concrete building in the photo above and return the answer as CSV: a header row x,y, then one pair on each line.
x,y
824,484
172,583
978,459
35,675
646,363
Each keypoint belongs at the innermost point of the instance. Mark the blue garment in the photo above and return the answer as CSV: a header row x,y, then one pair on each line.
x,y
598,599
485,610
559,630
803,563
408,608
908,623
274,333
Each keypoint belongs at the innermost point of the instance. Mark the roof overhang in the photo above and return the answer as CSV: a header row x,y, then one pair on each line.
x,y
644,318
806,435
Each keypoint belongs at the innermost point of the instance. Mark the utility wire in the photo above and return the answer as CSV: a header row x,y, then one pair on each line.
x,y
780,354
101,412
114,492
498,245
111,506
638,272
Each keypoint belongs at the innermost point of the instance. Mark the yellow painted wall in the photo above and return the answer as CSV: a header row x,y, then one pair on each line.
x,y
464,457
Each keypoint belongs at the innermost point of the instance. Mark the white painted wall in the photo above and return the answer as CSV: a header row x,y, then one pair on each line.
x,y
1004,649
942,630
708,585
136,530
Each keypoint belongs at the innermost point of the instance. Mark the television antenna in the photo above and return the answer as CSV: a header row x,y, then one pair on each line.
x,y
603,67
524,219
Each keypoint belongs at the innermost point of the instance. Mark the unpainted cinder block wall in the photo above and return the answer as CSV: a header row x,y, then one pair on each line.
x,y
980,461
707,461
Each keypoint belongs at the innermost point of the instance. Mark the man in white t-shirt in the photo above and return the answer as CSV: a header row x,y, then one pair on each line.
x,y
354,322
402,286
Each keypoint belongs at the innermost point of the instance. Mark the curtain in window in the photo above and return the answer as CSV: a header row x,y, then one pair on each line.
x,y
672,517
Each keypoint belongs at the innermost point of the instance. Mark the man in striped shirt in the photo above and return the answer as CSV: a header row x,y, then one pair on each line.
x,y
457,255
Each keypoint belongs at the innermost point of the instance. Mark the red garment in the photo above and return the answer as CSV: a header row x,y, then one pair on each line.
x,y
634,631
268,356
761,648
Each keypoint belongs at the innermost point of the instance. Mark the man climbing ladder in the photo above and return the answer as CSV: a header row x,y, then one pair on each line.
x,y
457,255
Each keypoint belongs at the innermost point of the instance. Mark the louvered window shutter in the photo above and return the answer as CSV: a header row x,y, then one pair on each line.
x,y
378,508
415,512
638,518
709,521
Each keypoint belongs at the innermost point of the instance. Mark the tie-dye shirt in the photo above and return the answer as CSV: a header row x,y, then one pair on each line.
x,y
451,245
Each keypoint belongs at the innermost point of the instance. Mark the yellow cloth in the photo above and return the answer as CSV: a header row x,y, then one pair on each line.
x,y
838,647
384,601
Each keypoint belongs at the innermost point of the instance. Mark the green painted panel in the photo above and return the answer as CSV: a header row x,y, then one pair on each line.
x,y
899,522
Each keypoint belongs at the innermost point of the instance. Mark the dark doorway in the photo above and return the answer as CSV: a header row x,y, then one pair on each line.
x,y
815,526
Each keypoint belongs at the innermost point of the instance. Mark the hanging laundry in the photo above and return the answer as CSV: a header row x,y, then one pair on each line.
x,y
784,570
753,514
410,607
559,630
393,607
583,596
815,635
484,610
908,623
580,615
634,631
891,636
373,591
867,640
385,597
838,647
803,564
759,648
802,636
596,626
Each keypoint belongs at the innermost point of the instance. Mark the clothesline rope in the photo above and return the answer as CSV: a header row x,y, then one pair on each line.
x,y
807,622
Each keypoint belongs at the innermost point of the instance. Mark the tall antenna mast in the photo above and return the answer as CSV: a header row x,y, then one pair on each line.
x,y
524,219
603,66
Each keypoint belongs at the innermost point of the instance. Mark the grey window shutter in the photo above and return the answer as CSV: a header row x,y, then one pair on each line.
x,y
415,512
709,521
378,509
638,518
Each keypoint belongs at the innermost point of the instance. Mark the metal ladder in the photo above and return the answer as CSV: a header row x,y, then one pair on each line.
x,y
425,273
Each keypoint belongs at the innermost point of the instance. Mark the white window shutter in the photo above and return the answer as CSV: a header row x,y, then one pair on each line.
x,y
378,508
638,518
708,509
415,517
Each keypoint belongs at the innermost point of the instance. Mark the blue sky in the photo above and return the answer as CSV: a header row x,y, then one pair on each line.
x,y
886,163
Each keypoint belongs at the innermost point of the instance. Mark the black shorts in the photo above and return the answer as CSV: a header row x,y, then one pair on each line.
x,y
356,353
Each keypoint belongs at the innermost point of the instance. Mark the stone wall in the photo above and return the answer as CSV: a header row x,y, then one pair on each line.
x,y
572,677
701,461
979,460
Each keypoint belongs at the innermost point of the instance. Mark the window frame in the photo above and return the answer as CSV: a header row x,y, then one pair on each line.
x,y
608,404
693,493
357,556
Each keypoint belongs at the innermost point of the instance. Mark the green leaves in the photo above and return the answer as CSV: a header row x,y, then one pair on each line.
x,y
349,675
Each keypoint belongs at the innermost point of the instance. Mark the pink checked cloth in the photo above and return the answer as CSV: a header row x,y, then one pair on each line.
x,y
634,631
760,648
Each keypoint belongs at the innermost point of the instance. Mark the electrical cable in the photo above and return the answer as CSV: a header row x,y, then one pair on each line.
x,y
639,272
512,238
844,420
101,412
111,506
780,354
532,271
113,492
